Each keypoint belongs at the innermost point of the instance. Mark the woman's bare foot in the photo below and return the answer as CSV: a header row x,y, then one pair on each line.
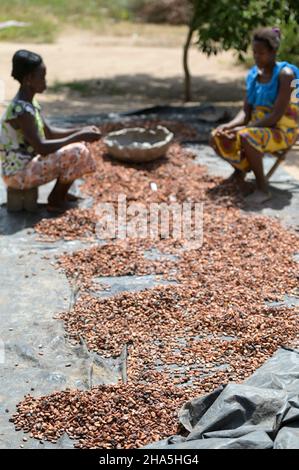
x,y
237,176
56,208
259,197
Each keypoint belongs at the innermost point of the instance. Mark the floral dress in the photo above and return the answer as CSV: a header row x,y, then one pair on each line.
x,y
15,151
23,168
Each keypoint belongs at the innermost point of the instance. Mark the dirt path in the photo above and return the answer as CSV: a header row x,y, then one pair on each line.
x,y
123,73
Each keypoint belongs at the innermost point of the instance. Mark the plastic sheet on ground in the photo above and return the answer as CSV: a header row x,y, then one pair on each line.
x,y
261,413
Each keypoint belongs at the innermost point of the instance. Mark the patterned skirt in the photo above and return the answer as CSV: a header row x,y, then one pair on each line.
x,y
263,139
68,163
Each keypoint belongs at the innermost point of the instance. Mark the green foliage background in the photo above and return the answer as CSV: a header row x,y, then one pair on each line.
x,y
226,24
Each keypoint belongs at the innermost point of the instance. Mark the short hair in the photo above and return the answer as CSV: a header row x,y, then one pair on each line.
x,y
269,36
23,63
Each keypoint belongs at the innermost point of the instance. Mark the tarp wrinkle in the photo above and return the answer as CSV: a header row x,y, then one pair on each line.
x,y
261,413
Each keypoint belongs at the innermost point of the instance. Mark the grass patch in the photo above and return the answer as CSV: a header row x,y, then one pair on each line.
x,y
88,88
47,19
84,88
42,32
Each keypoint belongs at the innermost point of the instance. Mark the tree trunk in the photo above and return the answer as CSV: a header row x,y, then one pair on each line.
x,y
186,65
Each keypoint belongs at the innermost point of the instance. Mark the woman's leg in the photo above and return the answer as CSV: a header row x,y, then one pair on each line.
x,y
58,194
237,175
219,143
255,160
74,161
67,164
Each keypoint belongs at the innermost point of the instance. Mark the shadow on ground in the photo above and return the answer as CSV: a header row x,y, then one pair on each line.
x,y
137,90
11,223
284,204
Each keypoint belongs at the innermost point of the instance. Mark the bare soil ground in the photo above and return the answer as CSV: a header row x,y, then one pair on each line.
x,y
120,73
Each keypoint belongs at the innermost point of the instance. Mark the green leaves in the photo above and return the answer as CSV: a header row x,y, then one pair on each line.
x,y
223,25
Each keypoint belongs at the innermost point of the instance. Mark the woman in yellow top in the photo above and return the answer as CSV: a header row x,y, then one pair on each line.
x,y
268,121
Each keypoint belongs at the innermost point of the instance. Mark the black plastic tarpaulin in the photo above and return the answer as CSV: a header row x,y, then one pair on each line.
x,y
260,413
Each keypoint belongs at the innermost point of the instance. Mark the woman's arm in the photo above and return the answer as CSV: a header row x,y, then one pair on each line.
x,y
26,123
282,101
52,132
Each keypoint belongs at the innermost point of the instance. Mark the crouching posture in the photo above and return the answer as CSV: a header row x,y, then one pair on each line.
x,y
269,119
34,153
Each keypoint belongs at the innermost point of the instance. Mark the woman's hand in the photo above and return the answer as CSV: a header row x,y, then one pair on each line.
x,y
229,132
90,129
223,128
